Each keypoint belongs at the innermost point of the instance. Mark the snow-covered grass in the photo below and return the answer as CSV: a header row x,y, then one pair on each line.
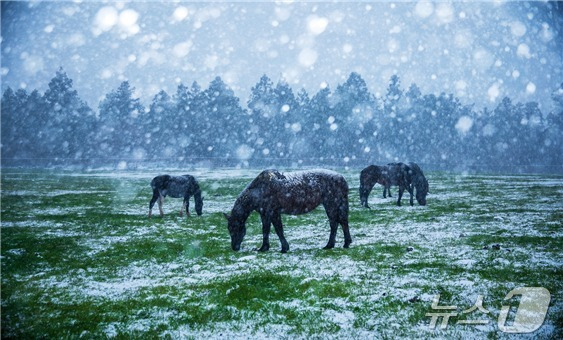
x,y
80,258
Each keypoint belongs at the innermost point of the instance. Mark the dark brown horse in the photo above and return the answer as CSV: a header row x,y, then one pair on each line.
x,y
398,174
178,187
272,193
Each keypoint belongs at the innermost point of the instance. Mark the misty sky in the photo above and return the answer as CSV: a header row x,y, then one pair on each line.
x,y
478,51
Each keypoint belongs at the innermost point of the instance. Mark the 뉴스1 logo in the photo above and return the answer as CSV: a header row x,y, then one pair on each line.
x,y
530,313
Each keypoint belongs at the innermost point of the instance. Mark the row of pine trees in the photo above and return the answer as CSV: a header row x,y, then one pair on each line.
x,y
276,127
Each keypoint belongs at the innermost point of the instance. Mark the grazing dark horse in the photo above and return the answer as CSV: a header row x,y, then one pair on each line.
x,y
418,182
272,193
398,174
177,187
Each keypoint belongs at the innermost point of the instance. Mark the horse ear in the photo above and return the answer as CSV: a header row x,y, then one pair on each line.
x,y
226,216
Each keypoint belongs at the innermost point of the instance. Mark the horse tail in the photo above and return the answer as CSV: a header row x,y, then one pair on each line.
x,y
343,206
345,187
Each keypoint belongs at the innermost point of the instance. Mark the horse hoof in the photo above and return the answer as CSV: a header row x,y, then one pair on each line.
x,y
328,246
284,251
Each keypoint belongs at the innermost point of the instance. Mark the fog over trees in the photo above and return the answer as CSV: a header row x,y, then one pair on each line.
x,y
277,126
460,86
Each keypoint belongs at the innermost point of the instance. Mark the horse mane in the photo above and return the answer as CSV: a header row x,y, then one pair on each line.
x,y
159,181
371,169
264,177
371,173
244,202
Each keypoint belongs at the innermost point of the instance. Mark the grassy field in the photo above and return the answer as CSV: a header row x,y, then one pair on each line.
x,y
79,258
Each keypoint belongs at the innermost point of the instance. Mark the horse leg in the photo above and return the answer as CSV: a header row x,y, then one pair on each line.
x,y
266,225
160,203
366,197
346,230
153,200
410,189
401,190
332,237
332,210
389,191
343,220
186,206
385,191
276,220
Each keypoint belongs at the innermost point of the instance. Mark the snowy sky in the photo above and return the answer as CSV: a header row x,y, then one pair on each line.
x,y
478,51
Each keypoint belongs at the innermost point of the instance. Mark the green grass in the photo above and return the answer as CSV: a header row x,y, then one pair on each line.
x,y
80,258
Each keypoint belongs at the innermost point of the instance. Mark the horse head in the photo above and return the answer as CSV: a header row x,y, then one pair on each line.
x,y
237,230
419,181
198,203
422,191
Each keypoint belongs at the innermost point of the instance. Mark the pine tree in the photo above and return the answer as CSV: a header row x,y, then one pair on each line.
x,y
187,110
67,132
120,117
552,131
323,137
161,128
413,127
285,110
34,121
191,106
301,129
263,107
11,113
225,123
389,141
353,112
394,93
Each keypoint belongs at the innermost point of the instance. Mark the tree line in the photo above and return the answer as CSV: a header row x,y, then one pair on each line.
x,y
347,126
